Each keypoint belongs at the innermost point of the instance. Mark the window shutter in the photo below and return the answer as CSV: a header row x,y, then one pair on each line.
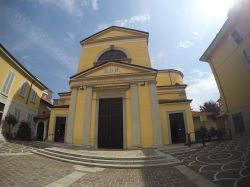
x,y
23,89
8,82
246,57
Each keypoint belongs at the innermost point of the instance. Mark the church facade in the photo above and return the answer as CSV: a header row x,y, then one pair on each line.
x,y
117,100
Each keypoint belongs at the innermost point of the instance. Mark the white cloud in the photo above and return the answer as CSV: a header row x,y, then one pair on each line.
x,y
201,88
34,34
94,4
69,36
196,35
71,7
185,44
128,22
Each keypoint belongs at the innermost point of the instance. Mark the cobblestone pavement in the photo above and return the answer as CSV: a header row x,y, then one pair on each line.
x,y
152,177
226,164
21,146
33,170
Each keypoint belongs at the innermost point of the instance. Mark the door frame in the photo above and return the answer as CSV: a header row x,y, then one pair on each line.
x,y
54,128
169,126
38,128
111,93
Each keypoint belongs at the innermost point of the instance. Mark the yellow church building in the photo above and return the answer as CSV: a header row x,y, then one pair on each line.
x,y
117,100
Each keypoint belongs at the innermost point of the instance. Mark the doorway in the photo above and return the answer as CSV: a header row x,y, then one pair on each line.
x,y
239,124
110,123
60,129
40,131
177,125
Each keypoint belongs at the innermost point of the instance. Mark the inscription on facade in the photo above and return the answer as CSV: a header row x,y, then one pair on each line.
x,y
111,69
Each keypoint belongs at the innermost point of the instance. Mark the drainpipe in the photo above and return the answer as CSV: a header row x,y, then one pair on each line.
x,y
29,92
170,78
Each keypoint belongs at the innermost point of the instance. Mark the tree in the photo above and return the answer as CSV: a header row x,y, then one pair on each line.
x,y
24,131
210,106
8,124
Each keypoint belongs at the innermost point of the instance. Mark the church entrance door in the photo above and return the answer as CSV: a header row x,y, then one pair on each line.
x,y
178,132
110,123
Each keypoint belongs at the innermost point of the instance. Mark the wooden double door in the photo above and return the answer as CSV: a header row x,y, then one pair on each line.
x,y
110,123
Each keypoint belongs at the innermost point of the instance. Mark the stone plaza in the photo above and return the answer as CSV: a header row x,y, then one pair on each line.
x,y
217,164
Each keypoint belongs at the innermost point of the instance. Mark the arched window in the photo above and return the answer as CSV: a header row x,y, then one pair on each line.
x,y
112,55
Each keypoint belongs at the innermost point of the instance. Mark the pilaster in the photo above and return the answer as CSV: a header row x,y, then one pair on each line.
x,y
87,117
135,116
71,116
156,121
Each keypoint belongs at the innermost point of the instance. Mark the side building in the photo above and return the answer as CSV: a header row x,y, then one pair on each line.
x,y
21,93
229,58
117,100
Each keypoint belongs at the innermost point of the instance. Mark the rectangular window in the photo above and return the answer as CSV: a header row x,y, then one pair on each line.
x,y
246,57
23,89
7,83
17,113
237,36
33,97
29,118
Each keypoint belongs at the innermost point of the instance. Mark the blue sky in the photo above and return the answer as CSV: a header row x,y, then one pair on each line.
x,y
44,35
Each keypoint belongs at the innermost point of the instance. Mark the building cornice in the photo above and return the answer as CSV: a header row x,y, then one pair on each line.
x,y
22,68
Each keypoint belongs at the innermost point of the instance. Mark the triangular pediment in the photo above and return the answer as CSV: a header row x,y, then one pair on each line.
x,y
113,69
115,32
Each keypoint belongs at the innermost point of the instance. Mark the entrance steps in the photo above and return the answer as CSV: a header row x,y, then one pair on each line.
x,y
176,149
109,159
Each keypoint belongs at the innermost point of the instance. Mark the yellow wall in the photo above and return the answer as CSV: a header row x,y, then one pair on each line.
x,y
165,109
79,118
19,79
56,112
145,116
137,51
209,123
169,77
233,74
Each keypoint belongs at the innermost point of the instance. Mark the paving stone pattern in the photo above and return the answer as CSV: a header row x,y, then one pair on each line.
x,y
31,170
226,164
151,177
35,171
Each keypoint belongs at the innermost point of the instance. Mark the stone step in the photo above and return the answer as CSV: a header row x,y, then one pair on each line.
x,y
102,155
176,150
103,159
110,165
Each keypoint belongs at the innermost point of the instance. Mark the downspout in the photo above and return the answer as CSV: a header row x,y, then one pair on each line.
x,y
170,78
219,84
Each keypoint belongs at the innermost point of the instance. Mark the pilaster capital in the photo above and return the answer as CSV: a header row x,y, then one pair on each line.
x,y
133,84
152,82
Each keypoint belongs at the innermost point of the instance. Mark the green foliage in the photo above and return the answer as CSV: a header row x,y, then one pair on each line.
x,y
212,131
24,131
210,106
203,131
11,120
8,123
